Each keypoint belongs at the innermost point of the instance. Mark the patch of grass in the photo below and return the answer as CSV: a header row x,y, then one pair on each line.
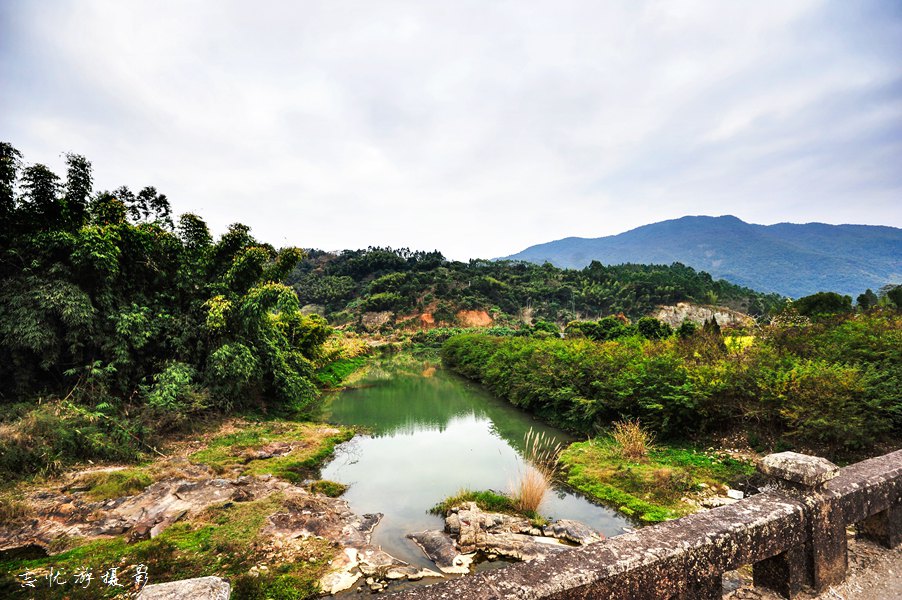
x,y
333,489
335,373
529,489
223,541
312,445
103,485
534,480
650,490
626,503
273,586
486,500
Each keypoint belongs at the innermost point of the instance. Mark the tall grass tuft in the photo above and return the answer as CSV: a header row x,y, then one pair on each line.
x,y
633,441
533,482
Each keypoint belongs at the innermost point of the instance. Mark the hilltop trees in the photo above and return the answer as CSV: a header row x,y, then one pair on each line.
x,y
404,282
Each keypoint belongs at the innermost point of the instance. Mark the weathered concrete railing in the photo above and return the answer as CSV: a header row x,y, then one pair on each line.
x,y
794,534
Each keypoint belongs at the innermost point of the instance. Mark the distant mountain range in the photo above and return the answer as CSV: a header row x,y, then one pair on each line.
x,y
787,258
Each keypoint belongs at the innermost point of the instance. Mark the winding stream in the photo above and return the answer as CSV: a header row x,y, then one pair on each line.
x,y
433,434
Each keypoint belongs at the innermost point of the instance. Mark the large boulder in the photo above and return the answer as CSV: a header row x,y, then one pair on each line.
x,y
202,588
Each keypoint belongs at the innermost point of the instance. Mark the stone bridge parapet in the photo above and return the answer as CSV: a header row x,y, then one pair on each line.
x,y
793,533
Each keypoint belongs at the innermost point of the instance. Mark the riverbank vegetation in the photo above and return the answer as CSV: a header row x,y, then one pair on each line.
x,y
289,450
829,385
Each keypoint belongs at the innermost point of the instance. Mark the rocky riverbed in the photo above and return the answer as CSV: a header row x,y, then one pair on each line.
x,y
181,490
471,532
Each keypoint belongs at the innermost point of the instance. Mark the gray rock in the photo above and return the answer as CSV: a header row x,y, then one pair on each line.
x,y
572,531
202,588
439,547
800,469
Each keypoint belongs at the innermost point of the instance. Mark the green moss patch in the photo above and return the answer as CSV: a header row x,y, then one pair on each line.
x,y
103,485
333,489
651,490
334,374
311,445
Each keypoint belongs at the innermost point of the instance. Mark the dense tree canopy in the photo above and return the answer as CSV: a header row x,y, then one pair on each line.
x,y
405,282
104,290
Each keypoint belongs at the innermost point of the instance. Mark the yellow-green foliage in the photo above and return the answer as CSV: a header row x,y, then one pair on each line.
x,y
632,439
333,489
737,343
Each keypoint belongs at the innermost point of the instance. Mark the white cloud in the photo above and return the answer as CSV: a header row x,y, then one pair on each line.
x,y
474,128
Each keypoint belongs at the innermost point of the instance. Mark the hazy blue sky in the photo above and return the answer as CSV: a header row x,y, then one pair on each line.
x,y
478,128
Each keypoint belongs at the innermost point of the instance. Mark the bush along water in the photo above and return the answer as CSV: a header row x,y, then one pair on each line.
x,y
829,386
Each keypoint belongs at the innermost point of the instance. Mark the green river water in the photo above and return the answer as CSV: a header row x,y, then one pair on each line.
x,y
432,434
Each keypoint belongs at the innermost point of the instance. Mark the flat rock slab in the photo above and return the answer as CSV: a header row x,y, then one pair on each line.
x,y
202,588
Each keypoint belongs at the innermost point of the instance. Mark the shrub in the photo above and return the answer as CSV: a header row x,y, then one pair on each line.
x,y
173,396
633,441
486,500
653,329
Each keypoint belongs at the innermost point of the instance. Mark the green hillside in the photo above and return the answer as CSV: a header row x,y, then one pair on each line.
x,y
789,259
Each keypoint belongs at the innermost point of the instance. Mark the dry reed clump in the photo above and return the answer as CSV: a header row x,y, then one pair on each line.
x,y
541,457
633,441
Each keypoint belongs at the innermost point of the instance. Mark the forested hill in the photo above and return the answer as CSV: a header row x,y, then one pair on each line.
x,y
409,285
789,259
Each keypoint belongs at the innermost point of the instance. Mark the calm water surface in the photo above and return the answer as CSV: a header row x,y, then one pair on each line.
x,y
433,434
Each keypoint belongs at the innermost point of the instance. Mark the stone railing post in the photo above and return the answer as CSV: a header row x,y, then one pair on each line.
x,y
822,560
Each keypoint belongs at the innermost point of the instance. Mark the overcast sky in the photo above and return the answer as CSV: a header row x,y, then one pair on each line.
x,y
477,128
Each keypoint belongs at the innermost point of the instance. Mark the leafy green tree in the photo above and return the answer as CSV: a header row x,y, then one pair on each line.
x,y
104,301
823,303
892,294
867,300
40,206
78,189
10,162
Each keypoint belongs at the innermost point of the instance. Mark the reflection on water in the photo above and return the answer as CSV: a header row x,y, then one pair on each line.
x,y
432,435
